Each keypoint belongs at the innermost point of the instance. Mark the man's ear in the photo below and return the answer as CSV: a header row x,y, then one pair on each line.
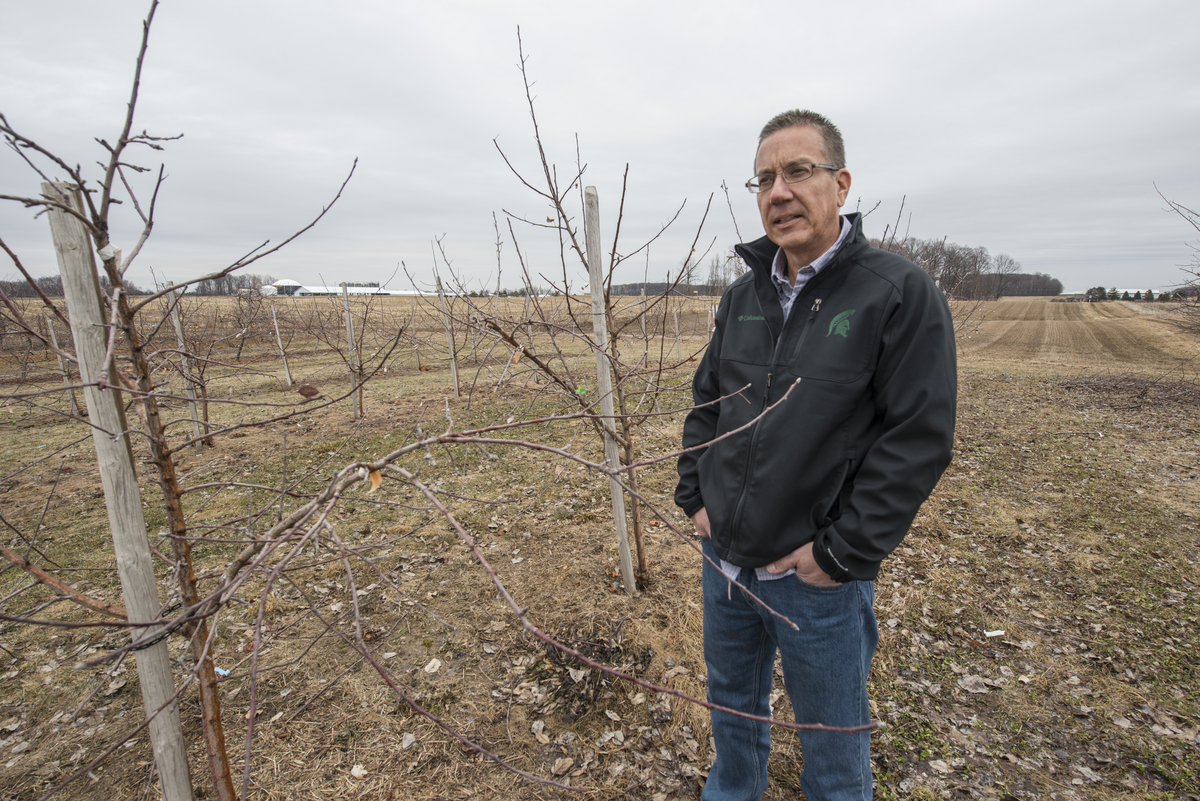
x,y
843,181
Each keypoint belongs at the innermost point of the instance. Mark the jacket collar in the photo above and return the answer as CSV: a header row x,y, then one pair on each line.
x,y
760,253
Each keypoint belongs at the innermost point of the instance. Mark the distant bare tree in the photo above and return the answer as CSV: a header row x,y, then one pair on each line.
x,y
1004,271
1189,290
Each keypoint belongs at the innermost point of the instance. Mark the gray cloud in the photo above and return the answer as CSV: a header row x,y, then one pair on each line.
x,y
1033,129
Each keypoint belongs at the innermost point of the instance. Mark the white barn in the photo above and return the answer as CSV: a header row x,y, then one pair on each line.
x,y
286,286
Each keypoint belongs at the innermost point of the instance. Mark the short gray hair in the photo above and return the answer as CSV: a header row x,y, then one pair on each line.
x,y
831,137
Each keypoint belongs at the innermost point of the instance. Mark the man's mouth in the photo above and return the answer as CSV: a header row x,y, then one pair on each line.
x,y
787,219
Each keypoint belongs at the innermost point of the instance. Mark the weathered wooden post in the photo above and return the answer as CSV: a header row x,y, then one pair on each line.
x,y
642,320
351,354
449,332
279,343
185,367
412,321
528,325
123,499
591,208
678,344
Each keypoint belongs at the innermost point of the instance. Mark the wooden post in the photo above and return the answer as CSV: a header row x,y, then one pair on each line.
x,y
185,365
76,409
528,326
642,320
118,476
279,342
678,345
471,332
591,201
412,321
350,350
449,332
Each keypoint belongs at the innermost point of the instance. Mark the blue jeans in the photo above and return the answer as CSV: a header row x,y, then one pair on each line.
x,y
825,667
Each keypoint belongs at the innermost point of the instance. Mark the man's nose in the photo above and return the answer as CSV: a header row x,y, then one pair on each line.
x,y
780,190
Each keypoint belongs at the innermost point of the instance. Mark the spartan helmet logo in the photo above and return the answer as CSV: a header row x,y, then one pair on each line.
x,y
840,325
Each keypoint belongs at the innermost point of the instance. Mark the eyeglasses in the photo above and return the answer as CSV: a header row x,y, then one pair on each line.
x,y
792,175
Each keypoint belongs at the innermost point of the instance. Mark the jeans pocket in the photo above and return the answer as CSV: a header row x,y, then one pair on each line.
x,y
819,587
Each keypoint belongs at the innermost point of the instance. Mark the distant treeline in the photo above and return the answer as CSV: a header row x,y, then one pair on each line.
x,y
1021,285
51,286
652,289
1099,293
967,273
237,283
963,273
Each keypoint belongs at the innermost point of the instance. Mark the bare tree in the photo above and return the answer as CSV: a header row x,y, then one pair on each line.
x,y
1005,270
1189,289
90,203
639,374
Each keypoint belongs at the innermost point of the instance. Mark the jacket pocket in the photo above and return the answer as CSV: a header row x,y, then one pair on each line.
x,y
836,496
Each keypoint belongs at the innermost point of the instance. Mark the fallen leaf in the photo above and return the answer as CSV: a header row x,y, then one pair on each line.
x,y
973,684
376,480
358,771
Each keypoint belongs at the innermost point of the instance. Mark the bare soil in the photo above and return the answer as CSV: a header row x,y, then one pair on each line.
x,y
1039,624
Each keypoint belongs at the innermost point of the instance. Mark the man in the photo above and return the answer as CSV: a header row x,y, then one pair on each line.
x,y
804,501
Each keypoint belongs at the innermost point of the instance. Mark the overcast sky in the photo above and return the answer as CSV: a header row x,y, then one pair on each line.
x,y
1036,129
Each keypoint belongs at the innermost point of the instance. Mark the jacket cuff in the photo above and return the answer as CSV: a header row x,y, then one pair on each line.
x,y
691,506
826,557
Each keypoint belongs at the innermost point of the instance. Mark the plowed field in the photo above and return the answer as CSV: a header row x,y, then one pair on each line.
x,y
1044,332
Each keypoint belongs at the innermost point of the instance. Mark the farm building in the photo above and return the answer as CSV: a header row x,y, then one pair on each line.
x,y
286,286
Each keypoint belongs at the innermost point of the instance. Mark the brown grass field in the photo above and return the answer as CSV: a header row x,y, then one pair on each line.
x,y
1038,626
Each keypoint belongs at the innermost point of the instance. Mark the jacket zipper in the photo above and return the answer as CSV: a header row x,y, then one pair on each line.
x,y
816,307
737,512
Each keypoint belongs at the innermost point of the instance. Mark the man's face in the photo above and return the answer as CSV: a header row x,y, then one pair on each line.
x,y
801,218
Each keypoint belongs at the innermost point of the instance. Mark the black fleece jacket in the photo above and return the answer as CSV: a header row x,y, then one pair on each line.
x,y
866,360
